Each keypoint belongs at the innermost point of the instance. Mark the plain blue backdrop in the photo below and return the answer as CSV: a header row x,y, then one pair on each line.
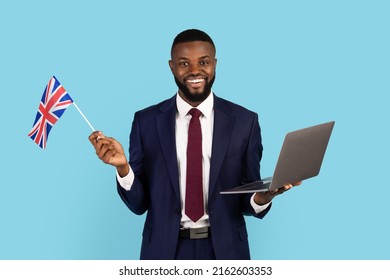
x,y
296,63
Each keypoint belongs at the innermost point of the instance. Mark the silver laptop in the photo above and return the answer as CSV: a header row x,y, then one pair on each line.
x,y
300,158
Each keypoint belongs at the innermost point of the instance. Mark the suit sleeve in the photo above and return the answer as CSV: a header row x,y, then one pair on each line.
x,y
251,171
136,199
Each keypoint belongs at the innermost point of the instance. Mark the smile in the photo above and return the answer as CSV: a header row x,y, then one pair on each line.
x,y
195,81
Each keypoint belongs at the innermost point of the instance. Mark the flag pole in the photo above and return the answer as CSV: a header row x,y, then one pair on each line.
x,y
81,113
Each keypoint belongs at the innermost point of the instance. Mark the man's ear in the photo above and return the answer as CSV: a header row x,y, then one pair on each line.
x,y
170,62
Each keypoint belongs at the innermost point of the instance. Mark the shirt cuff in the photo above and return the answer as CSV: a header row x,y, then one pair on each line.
x,y
127,181
258,208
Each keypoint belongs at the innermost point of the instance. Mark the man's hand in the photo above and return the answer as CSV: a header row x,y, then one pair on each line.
x,y
110,152
262,198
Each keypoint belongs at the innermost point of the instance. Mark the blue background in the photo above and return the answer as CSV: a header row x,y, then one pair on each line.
x,y
296,63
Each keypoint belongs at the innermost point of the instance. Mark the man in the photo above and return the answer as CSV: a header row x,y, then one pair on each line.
x,y
181,158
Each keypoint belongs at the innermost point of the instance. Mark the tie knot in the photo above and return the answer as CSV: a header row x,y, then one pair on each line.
x,y
195,113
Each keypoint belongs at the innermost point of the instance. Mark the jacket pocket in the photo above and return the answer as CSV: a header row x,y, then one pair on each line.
x,y
234,152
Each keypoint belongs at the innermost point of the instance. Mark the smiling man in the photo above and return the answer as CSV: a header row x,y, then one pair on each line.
x,y
193,67
183,152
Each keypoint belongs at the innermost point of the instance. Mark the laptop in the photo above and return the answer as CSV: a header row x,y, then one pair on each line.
x,y
300,158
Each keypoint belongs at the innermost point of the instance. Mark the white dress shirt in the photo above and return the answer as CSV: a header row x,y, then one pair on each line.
x,y
182,123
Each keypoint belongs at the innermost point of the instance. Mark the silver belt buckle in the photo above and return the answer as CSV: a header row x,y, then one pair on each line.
x,y
198,233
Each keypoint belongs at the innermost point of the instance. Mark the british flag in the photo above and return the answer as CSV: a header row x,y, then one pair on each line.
x,y
54,101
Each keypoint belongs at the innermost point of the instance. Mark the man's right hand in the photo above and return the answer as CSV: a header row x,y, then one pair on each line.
x,y
110,152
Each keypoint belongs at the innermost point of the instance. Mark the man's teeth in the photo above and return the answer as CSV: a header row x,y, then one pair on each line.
x,y
195,80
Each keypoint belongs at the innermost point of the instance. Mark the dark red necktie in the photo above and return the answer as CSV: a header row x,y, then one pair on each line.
x,y
194,208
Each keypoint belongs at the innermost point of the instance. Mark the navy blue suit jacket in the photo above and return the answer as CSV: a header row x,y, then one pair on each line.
x,y
236,155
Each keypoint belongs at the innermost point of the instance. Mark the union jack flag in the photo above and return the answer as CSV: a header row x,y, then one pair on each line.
x,y
54,101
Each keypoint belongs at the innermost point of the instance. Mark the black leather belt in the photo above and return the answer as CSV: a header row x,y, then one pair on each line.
x,y
195,233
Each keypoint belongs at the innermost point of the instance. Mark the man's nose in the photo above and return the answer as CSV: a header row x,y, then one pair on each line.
x,y
194,68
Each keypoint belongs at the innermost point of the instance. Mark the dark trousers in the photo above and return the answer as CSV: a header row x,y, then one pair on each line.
x,y
195,249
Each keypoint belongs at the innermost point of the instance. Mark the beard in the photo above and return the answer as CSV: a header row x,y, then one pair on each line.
x,y
196,97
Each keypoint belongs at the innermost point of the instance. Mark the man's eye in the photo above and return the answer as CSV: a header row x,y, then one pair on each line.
x,y
204,63
183,64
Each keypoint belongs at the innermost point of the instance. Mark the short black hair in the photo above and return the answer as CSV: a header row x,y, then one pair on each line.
x,y
192,35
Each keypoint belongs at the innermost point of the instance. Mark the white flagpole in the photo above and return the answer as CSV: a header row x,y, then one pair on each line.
x,y
81,113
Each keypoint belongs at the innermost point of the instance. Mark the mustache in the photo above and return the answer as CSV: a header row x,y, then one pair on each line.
x,y
192,76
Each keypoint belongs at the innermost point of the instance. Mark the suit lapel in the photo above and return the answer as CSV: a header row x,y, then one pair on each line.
x,y
223,125
166,131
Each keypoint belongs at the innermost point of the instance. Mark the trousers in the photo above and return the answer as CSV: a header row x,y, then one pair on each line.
x,y
195,249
